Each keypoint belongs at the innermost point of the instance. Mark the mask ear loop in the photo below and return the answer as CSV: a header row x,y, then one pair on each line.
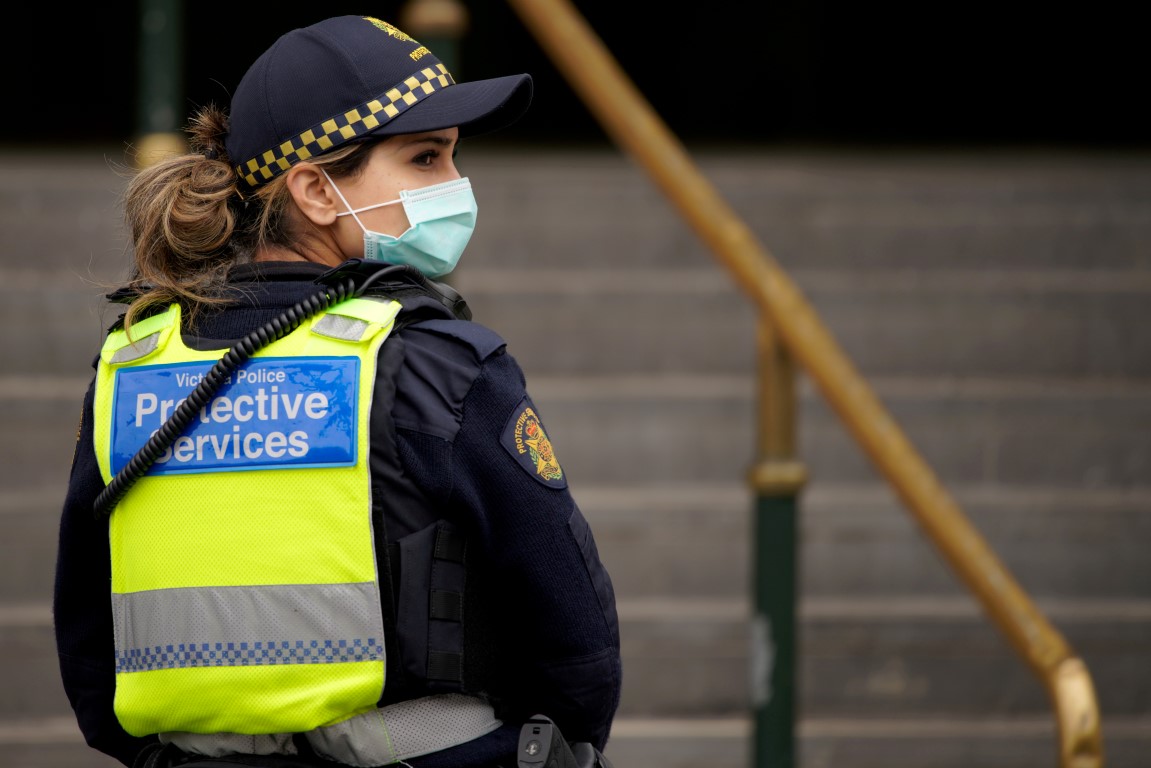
x,y
352,212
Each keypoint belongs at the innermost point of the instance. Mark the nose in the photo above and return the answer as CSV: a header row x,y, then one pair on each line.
x,y
453,172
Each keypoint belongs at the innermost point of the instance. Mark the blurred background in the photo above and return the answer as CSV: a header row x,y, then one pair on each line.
x,y
963,196
808,71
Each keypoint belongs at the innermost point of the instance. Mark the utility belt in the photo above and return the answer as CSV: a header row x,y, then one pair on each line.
x,y
541,745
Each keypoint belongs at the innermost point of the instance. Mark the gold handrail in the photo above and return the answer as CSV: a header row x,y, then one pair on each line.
x,y
581,56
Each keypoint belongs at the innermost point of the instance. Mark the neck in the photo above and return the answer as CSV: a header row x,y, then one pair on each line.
x,y
281,253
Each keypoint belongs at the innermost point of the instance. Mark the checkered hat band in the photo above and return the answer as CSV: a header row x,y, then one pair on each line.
x,y
344,127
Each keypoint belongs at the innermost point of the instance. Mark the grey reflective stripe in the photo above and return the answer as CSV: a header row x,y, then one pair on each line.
x,y
246,626
380,737
138,348
345,327
220,744
406,729
340,327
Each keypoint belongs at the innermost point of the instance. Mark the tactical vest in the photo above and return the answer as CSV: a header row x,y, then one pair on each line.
x,y
291,549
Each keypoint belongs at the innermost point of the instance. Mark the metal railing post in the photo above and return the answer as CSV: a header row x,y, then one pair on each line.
x,y
160,90
777,478
631,123
439,25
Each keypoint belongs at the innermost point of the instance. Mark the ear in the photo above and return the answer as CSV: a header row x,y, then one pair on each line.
x,y
313,193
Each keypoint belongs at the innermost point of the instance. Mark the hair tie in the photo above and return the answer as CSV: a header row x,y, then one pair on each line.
x,y
211,154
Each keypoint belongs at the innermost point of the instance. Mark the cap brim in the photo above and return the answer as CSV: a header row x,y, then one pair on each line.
x,y
476,107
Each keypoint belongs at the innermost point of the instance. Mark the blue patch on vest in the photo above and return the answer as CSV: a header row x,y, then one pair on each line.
x,y
272,413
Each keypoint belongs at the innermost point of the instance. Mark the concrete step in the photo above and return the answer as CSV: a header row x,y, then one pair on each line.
x,y
40,432
695,542
728,742
889,323
28,665
913,742
869,743
624,430
1049,478
998,305
71,314
1055,282
632,430
823,210
61,211
814,210
883,656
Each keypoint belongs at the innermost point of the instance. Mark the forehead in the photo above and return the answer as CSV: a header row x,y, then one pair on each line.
x,y
446,137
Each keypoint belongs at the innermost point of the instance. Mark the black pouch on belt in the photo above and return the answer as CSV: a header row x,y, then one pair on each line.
x,y
543,746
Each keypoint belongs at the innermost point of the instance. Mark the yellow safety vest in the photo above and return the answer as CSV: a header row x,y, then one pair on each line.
x,y
244,586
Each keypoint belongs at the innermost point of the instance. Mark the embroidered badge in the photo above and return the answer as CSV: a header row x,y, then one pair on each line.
x,y
525,439
385,26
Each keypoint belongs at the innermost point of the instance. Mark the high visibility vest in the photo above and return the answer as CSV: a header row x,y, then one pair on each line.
x,y
245,591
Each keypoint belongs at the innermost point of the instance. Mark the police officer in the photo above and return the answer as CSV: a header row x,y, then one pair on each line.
x,y
313,513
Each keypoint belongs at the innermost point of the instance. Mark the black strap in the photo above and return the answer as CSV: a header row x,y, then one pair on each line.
x,y
444,666
450,545
447,606
446,609
398,282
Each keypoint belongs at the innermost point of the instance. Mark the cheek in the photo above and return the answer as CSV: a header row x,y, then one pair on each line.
x,y
349,238
391,220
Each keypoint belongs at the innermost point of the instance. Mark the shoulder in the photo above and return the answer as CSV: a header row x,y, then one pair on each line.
x,y
451,337
442,361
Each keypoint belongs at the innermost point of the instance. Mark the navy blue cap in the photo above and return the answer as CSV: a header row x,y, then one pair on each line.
x,y
318,87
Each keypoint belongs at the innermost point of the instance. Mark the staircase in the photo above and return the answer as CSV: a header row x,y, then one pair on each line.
x,y
998,303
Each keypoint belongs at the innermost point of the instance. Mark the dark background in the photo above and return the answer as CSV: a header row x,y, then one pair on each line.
x,y
765,73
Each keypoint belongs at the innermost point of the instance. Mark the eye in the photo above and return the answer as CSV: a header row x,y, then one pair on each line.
x,y
426,159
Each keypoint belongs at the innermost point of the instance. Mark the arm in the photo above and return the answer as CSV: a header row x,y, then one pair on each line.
x,y
561,615
82,606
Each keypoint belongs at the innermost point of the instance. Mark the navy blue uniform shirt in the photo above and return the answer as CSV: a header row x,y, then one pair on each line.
x,y
458,395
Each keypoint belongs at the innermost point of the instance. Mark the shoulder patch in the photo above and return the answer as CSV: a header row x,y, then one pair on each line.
x,y
527,442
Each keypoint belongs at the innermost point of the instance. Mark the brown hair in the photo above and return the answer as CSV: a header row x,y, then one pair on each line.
x,y
190,224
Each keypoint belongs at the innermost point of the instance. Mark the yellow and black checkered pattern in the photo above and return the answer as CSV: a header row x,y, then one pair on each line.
x,y
336,130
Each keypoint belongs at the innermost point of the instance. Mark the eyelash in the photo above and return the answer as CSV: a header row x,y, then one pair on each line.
x,y
426,158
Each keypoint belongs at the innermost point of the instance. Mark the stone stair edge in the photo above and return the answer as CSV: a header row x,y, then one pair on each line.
x,y
712,658
63,728
25,729
708,279
598,280
725,609
638,738
738,497
642,385
847,171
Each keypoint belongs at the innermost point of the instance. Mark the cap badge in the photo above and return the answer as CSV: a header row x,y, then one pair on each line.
x,y
385,26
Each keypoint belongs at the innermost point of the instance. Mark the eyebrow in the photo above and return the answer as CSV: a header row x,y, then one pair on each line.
x,y
439,141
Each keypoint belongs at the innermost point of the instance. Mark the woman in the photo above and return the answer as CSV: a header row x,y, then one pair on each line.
x,y
349,539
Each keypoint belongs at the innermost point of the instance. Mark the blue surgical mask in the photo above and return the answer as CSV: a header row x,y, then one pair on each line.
x,y
442,218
